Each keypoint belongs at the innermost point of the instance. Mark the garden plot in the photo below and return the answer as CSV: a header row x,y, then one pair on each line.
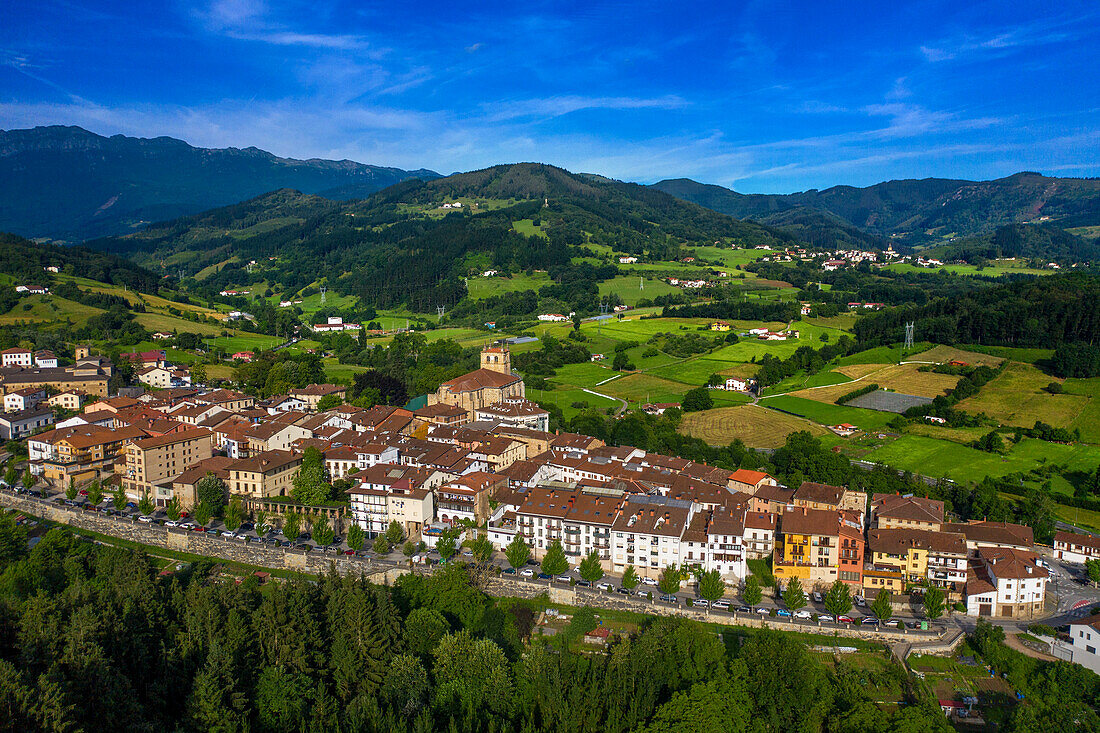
x,y
884,401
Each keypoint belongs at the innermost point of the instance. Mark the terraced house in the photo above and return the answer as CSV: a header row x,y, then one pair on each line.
x,y
817,545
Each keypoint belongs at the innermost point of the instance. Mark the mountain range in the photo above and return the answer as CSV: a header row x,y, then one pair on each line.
x,y
69,184
926,211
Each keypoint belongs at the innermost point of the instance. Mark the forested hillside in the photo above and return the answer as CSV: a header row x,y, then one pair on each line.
x,y
26,262
1036,312
71,184
398,246
919,211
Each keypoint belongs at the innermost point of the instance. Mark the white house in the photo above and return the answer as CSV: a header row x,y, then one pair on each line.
x,y
627,260
1005,583
45,359
1076,548
17,357
552,317
1083,643
733,384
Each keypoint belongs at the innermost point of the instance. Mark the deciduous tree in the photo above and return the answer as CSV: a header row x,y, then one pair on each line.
x,y
554,562
752,594
838,601
794,596
590,569
882,608
517,552
933,602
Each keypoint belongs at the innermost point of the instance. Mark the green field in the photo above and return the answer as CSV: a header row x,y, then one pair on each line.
x,y
483,287
824,413
564,398
49,309
996,268
527,228
627,288
937,458
729,257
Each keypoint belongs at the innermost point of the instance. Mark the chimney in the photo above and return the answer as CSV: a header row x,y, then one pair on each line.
x,y
652,513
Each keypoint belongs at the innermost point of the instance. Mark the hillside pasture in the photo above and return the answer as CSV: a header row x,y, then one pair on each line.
x,y
755,426
48,310
903,378
641,388
1017,397
941,458
627,288
943,354
480,288
825,413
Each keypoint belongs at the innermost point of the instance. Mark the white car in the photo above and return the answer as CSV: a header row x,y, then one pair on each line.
x,y
763,611
699,603
859,601
145,518
649,581
720,605
817,597
229,533
802,614
604,586
171,523
527,572
187,525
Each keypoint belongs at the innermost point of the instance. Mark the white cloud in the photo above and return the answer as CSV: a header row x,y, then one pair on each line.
x,y
562,105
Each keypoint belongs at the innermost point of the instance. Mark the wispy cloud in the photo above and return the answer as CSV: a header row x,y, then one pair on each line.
x,y
563,105
253,20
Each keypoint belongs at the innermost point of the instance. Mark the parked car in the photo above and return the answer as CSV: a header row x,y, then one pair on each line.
x,y
782,612
825,617
869,621
649,581
700,602
145,518
604,586
818,598
669,599
802,613
508,571
228,533
198,528
171,523
844,619
583,583
527,572
131,505
744,609
545,576
720,605
563,579
624,591
860,601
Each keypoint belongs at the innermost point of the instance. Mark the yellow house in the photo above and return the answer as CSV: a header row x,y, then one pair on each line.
x,y
719,326
809,547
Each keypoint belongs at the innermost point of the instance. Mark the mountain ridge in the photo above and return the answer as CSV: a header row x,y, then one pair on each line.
x,y
917,211
71,184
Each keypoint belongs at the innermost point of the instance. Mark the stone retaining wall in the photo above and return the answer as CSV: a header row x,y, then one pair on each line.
x,y
250,553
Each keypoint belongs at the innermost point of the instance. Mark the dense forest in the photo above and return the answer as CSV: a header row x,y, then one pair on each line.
x,y
1034,312
96,638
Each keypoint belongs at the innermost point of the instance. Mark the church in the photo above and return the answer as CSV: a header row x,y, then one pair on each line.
x,y
493,383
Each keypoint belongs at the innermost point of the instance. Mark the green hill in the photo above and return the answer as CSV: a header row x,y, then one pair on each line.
x,y
918,211
70,184
399,246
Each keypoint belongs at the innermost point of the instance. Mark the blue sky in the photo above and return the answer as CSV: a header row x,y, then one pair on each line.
x,y
758,96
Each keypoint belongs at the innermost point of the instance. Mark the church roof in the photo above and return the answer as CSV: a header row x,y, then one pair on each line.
x,y
480,379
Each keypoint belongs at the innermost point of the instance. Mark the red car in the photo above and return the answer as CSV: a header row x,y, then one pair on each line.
x,y
83,492
198,528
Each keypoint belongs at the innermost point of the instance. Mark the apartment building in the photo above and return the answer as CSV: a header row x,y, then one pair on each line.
x,y
647,533
17,425
68,400
715,541
413,504
152,463
893,511
809,548
917,556
263,475
24,399
1076,548
517,413
993,534
80,452
811,495
274,436
1006,583
183,486
466,498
